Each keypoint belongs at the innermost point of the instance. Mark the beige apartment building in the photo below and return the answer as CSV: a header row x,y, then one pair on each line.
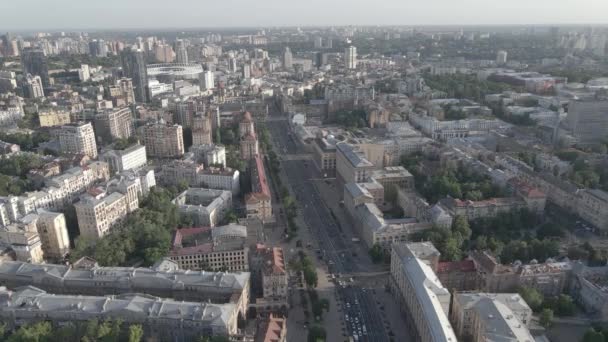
x,y
54,117
53,235
351,164
212,249
162,140
97,215
78,138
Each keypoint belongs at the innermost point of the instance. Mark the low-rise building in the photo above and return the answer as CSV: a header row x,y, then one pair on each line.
x,y
589,288
210,155
272,329
160,318
196,175
205,207
269,278
164,279
23,238
459,275
549,278
258,203
219,248
592,205
324,155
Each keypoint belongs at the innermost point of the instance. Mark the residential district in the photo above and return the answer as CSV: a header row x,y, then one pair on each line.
x,y
305,184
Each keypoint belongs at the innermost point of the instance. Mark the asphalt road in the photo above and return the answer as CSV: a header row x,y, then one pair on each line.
x,y
358,304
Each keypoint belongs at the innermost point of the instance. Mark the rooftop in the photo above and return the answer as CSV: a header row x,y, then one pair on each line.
x,y
427,288
140,307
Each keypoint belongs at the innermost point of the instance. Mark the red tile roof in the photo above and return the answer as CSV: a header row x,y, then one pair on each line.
x,y
456,266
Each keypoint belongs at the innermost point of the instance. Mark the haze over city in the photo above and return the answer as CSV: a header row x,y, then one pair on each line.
x,y
137,14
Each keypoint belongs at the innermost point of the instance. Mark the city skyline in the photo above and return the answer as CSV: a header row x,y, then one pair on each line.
x,y
115,15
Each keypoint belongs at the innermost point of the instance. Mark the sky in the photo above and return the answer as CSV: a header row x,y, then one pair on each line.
x,y
16,15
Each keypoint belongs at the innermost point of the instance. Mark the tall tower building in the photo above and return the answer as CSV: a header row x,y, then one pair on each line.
x,y
232,66
201,129
501,57
208,80
350,57
78,138
134,67
181,52
33,61
246,70
287,58
34,87
249,140
318,42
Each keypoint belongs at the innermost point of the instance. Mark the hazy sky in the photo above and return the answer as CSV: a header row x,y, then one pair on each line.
x,y
119,14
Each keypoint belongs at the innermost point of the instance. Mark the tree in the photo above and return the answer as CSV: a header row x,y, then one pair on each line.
x,y
376,253
532,297
36,332
565,305
546,318
316,334
310,276
461,225
136,332
451,250
592,335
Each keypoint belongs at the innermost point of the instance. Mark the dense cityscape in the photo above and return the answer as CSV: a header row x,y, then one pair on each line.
x,y
305,184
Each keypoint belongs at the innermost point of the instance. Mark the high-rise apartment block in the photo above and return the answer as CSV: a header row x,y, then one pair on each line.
x,y
208,80
34,87
114,124
162,140
350,57
78,138
34,62
588,120
501,57
287,59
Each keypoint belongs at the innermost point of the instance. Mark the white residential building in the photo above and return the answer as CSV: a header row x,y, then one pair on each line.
x,y
130,158
78,138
